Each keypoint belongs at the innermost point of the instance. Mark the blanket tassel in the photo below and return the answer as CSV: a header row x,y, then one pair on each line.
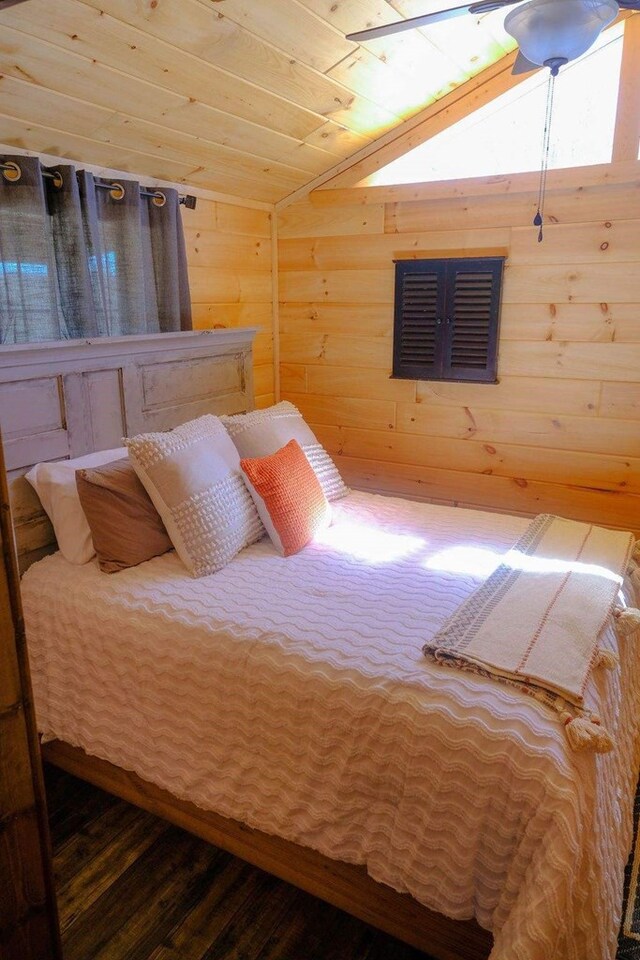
x,y
584,733
627,619
607,659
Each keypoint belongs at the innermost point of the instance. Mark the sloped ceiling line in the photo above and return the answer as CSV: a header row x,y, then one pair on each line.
x,y
251,100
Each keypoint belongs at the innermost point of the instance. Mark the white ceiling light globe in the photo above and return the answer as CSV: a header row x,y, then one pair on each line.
x,y
548,30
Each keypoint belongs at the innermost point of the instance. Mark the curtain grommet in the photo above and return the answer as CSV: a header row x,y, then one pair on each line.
x,y
11,171
58,180
159,199
117,191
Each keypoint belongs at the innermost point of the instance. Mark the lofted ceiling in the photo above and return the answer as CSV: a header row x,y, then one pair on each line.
x,y
252,98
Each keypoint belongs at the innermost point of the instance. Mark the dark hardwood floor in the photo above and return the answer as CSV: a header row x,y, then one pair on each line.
x,y
133,887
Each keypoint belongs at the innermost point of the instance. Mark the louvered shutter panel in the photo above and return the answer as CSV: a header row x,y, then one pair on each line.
x,y
472,312
447,315
419,311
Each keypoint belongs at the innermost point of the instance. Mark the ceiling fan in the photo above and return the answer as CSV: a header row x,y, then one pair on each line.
x,y
549,33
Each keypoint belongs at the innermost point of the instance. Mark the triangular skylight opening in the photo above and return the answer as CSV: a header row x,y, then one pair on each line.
x,y
505,135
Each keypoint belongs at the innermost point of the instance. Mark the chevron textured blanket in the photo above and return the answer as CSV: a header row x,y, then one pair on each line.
x,y
536,621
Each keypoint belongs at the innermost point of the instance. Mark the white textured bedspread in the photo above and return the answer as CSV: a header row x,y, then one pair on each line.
x,y
293,695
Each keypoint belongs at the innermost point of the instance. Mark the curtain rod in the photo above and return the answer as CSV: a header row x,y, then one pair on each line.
x,y
116,189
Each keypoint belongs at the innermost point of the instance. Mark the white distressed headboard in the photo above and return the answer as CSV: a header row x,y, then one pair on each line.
x,y
60,400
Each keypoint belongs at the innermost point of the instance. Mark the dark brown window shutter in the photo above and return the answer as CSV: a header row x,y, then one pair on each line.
x,y
419,310
447,318
473,305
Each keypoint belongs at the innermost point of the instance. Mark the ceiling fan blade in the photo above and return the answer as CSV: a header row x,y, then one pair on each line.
x,y
387,29
488,6
522,65
478,7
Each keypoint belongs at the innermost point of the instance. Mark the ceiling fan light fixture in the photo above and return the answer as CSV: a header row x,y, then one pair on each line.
x,y
553,32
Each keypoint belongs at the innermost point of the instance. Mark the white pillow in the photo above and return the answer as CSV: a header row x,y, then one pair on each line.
x,y
263,432
55,484
192,475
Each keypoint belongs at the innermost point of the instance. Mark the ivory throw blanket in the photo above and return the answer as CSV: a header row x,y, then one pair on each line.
x,y
536,621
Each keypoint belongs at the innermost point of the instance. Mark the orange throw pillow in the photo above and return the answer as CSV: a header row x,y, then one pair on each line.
x,y
288,496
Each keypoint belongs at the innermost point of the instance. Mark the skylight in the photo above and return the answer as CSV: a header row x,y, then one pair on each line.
x,y
505,135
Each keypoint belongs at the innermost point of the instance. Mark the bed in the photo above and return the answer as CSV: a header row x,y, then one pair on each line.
x,y
283,709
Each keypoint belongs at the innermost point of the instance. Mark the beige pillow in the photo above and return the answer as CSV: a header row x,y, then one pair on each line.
x,y
192,475
263,432
125,526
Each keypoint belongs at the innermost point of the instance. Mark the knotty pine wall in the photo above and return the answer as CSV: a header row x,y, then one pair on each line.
x,y
561,430
229,261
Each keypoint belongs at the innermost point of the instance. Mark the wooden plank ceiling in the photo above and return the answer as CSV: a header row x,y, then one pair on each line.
x,y
246,98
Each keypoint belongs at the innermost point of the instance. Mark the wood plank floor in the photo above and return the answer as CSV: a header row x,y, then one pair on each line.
x,y
133,887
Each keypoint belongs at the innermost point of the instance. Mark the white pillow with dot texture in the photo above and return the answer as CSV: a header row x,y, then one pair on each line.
x,y
263,432
193,477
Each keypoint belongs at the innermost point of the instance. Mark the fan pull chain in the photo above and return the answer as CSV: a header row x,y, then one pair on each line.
x,y
538,220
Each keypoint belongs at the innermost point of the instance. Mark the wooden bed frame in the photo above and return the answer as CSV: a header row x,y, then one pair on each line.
x,y
61,400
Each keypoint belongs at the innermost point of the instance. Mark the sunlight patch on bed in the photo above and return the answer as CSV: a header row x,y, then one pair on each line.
x,y
481,563
471,560
369,543
521,561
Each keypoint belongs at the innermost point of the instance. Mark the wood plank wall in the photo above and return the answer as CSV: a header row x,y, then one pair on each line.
x,y
561,431
229,260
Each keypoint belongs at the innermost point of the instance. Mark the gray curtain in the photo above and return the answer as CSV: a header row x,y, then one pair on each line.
x,y
76,261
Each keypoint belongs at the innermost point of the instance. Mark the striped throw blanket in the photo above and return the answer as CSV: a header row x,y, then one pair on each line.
x,y
536,621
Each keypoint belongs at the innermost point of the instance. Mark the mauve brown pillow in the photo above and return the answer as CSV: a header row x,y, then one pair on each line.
x,y
125,526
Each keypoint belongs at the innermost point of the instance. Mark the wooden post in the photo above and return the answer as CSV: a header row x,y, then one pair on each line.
x,y
627,130
28,912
